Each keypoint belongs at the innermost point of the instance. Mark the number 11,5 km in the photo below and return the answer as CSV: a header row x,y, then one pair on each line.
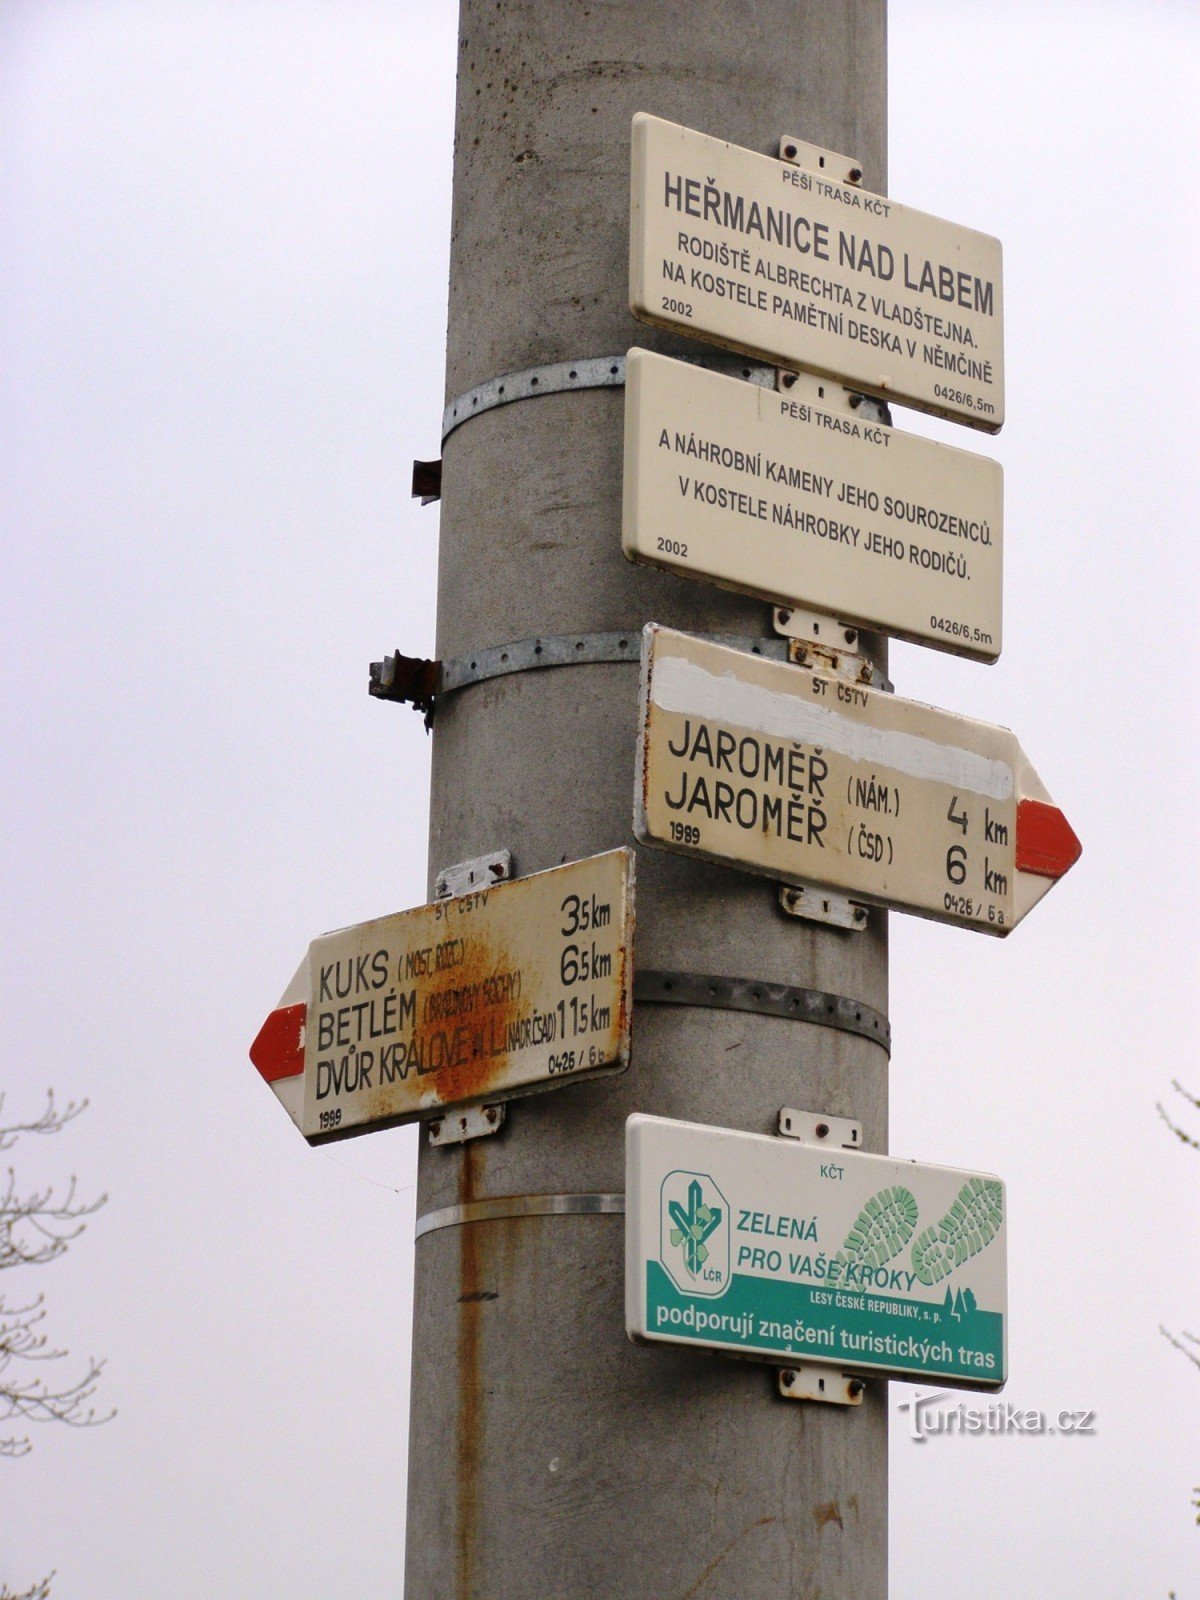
x,y
808,778
583,1014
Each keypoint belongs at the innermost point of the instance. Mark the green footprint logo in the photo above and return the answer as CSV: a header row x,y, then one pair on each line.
x,y
693,1227
884,1226
969,1226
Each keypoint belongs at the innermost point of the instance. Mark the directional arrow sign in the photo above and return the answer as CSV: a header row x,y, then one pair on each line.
x,y
778,495
788,1252
809,778
491,994
769,258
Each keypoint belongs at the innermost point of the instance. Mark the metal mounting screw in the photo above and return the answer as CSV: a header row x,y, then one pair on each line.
x,y
787,1379
788,380
855,1387
822,1130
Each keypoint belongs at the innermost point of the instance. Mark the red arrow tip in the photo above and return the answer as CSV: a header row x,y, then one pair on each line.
x,y
278,1052
1046,841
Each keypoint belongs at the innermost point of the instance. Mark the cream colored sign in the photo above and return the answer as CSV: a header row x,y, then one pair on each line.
x,y
769,258
773,495
811,778
522,985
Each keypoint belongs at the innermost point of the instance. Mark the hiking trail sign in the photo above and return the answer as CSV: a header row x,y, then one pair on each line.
x,y
787,1252
783,263
779,495
497,992
811,778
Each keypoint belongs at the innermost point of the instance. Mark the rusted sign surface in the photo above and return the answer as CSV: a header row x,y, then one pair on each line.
x,y
491,994
781,496
772,259
809,778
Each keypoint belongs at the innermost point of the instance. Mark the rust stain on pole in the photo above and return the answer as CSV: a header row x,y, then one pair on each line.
x,y
470,1392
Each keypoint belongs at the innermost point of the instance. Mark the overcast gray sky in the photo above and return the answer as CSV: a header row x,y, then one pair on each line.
x,y
223,257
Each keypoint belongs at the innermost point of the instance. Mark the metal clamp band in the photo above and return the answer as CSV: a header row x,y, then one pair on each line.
x,y
416,680
410,678
571,649
766,999
521,1205
593,372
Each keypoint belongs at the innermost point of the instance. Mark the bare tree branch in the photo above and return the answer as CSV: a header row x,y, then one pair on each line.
x,y
35,1228
1186,1138
39,1591
1192,1356
52,1120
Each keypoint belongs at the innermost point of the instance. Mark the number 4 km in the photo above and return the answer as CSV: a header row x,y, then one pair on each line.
x,y
956,856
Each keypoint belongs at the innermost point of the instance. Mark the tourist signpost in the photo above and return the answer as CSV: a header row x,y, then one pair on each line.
x,y
790,1253
497,992
811,778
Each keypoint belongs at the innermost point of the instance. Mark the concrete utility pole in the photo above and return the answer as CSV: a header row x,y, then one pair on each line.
x,y
549,1456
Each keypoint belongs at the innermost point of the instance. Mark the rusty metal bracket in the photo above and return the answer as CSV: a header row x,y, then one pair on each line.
x,y
818,641
807,1382
427,481
464,877
411,679
472,1122
765,999
408,679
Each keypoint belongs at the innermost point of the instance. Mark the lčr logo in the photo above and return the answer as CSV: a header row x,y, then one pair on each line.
x,y
694,1222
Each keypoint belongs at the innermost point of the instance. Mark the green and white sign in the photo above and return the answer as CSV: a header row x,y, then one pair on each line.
x,y
768,1248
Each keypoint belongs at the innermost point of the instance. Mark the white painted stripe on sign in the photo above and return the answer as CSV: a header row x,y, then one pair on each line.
x,y
688,689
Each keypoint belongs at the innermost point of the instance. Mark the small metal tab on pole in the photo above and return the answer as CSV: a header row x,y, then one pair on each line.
x,y
820,1383
814,1127
824,642
830,164
830,395
475,1122
822,905
478,873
